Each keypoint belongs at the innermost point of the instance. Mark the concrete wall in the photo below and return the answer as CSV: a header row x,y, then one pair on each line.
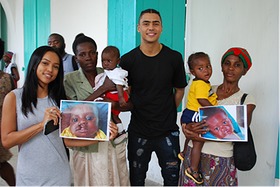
x,y
212,26
216,25
14,14
70,18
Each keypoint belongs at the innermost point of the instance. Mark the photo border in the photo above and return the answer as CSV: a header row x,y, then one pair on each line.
x,y
238,116
104,116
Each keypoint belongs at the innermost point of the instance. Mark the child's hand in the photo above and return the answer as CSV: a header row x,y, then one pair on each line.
x,y
113,130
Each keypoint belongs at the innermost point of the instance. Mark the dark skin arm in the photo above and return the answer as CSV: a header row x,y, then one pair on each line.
x,y
15,74
108,85
120,90
192,130
204,102
250,109
116,105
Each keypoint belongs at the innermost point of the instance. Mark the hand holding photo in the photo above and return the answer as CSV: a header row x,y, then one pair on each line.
x,y
85,120
225,123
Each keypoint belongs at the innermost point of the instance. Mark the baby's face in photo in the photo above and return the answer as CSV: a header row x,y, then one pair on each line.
x,y
83,121
220,125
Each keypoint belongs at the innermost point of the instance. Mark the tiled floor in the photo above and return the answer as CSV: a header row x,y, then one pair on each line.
x,y
151,183
14,159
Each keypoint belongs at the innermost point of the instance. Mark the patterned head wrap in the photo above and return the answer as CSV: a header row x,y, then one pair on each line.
x,y
241,53
9,54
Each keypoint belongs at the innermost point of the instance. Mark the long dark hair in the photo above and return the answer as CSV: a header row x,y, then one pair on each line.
x,y
56,90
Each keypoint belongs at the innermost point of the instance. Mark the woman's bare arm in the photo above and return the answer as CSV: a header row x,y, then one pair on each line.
x,y
179,94
15,74
250,110
10,135
108,85
192,130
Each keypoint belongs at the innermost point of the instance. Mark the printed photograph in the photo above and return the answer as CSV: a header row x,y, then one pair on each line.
x,y
225,123
85,120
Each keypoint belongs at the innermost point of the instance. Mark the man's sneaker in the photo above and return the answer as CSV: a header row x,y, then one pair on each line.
x,y
121,137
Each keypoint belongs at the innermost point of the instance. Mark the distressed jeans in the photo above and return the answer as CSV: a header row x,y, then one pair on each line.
x,y
140,152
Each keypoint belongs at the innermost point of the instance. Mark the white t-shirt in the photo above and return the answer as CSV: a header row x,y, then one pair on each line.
x,y
8,69
117,75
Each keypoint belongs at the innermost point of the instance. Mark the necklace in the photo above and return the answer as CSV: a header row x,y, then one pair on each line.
x,y
229,90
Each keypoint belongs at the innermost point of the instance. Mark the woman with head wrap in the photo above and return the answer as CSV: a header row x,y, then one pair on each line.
x,y
217,164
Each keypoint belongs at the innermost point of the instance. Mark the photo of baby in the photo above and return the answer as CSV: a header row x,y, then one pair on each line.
x,y
85,120
225,123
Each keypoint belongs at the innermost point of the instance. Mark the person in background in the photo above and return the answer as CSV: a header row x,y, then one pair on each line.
x,y
11,67
217,163
95,163
42,159
6,169
200,94
157,81
56,41
110,59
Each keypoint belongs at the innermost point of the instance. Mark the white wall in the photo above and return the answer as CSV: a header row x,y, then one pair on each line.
x,y
67,18
212,26
71,17
216,25
14,14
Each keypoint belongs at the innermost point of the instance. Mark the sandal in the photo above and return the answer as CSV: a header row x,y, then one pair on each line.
x,y
197,180
181,156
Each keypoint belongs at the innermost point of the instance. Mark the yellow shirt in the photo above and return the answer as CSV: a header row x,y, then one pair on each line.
x,y
67,133
199,89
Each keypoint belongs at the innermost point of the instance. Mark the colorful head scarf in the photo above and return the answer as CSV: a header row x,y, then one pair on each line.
x,y
241,53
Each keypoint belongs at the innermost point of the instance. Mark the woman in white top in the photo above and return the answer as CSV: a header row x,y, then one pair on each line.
x,y
217,164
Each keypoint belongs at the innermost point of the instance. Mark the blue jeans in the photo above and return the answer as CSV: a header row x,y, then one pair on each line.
x,y
140,152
